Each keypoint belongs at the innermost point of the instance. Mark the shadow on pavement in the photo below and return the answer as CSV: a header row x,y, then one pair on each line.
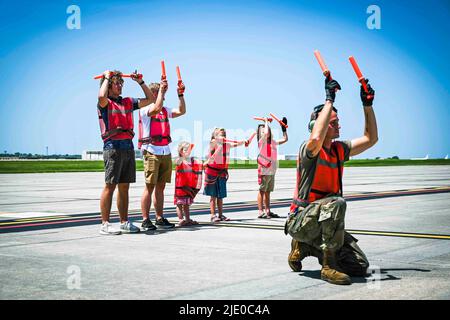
x,y
385,276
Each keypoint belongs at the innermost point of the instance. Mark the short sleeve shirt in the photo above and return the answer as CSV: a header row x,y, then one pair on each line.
x,y
308,165
156,150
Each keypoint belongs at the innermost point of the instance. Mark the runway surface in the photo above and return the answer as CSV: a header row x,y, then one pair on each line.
x,y
50,247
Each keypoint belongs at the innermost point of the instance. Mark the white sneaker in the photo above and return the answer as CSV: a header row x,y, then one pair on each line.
x,y
128,227
108,229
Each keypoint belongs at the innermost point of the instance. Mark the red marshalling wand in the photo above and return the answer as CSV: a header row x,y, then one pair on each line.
x,y
323,66
358,73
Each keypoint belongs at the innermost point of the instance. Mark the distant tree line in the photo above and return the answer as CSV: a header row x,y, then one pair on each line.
x,y
394,157
39,156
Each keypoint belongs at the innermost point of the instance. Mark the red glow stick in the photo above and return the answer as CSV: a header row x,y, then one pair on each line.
x,y
358,73
123,76
225,140
262,119
250,139
163,69
279,121
178,73
323,66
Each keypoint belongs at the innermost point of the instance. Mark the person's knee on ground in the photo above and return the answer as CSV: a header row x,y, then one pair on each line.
x,y
351,259
330,272
332,224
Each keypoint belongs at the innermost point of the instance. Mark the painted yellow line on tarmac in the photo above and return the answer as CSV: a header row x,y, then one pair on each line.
x,y
401,234
40,218
33,220
246,204
362,232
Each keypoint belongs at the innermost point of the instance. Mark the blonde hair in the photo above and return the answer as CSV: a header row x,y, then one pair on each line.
x,y
216,131
181,146
154,87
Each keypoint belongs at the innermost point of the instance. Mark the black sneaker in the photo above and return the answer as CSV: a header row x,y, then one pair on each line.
x,y
164,224
148,225
273,215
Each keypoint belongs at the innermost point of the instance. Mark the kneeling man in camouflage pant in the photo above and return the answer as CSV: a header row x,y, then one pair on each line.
x,y
317,214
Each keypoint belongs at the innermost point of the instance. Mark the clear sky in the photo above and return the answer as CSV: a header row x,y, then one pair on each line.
x,y
238,59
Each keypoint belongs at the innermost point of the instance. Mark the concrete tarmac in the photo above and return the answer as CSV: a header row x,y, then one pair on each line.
x,y
405,235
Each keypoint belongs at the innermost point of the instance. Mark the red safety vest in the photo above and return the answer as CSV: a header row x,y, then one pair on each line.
x,y
219,166
159,130
188,178
327,178
120,120
266,158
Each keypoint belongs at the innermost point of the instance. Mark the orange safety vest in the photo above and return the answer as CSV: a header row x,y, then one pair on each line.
x,y
159,130
188,178
327,177
219,166
119,125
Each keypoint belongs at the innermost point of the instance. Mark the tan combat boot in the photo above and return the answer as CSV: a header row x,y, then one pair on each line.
x,y
300,251
329,272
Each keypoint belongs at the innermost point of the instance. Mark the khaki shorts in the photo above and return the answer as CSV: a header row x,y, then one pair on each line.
x,y
267,183
157,168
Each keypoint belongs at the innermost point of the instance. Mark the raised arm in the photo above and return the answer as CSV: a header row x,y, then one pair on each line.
x,y
103,92
210,157
148,94
285,135
236,144
182,105
370,136
320,128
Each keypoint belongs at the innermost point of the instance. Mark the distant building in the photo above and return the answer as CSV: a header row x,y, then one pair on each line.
x,y
92,155
290,157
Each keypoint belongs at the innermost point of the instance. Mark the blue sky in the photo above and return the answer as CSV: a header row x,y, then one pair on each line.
x,y
238,59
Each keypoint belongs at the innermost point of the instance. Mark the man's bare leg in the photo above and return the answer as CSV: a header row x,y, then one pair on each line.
x,y
122,201
158,199
146,200
106,201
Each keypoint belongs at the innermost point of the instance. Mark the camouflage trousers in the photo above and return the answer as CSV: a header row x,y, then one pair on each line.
x,y
321,225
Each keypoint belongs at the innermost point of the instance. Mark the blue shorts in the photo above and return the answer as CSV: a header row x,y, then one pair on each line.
x,y
217,189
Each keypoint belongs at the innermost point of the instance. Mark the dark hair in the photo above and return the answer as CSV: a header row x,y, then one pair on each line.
x,y
317,110
269,140
114,74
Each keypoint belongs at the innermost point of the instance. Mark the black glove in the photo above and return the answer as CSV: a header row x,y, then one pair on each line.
x,y
283,128
331,86
367,97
